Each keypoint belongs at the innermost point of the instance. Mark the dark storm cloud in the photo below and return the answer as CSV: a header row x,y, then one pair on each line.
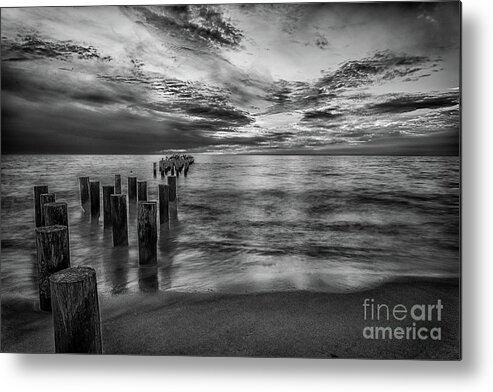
x,y
327,114
29,86
32,46
80,130
409,103
385,65
195,22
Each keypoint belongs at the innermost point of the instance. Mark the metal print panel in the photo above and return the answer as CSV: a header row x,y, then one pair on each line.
x,y
271,180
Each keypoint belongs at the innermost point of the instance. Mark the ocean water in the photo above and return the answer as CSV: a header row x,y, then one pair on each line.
x,y
249,223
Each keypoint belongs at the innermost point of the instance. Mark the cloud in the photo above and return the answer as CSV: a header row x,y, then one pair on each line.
x,y
381,66
32,46
409,103
193,22
231,78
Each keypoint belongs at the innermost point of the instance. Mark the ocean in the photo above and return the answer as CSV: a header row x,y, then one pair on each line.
x,y
249,223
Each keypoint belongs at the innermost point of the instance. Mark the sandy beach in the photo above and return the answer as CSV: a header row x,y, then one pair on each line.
x,y
292,324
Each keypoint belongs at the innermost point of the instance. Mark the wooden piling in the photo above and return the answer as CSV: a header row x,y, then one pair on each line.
x,y
132,188
163,191
85,198
154,170
119,219
45,198
38,191
55,214
147,232
107,191
95,199
172,188
53,254
118,184
142,190
76,319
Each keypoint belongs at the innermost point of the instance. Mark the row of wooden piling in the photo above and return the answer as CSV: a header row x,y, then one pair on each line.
x,y
71,292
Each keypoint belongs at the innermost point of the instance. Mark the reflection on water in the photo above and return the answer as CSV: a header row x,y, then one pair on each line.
x,y
250,223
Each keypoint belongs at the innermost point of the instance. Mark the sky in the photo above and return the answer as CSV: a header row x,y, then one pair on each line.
x,y
328,78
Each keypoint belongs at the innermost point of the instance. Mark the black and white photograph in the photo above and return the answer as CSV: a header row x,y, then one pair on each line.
x,y
232,180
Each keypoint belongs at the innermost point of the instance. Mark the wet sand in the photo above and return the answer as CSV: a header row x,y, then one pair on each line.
x,y
288,324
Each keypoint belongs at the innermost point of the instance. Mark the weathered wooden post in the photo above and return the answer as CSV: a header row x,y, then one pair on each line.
x,y
147,232
132,188
53,254
163,191
119,219
107,191
154,171
95,199
38,191
142,190
55,214
74,301
172,188
173,207
45,198
85,198
118,184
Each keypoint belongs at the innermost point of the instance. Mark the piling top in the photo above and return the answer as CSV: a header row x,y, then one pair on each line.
x,y
72,275
50,229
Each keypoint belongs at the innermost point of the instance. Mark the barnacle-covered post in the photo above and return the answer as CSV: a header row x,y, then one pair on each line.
x,y
75,308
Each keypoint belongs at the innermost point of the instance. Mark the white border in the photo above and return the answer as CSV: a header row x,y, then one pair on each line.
x,y
474,373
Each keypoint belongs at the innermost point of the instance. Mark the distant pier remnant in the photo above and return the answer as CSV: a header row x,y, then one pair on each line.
x,y
163,191
108,190
132,188
38,191
154,168
118,184
85,198
76,320
45,199
142,190
53,254
119,220
147,232
55,214
95,199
